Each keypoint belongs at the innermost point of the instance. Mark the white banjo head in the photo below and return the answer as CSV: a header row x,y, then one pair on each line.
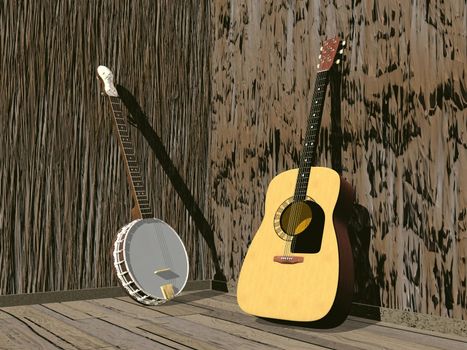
x,y
148,254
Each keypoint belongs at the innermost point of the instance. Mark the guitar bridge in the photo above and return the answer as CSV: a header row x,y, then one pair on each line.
x,y
288,259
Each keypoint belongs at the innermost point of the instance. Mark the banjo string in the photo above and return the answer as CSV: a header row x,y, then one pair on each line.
x,y
166,254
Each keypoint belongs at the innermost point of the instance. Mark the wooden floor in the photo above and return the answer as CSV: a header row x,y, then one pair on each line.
x,y
196,320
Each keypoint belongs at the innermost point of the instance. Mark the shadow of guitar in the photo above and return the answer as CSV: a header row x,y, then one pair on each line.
x,y
366,284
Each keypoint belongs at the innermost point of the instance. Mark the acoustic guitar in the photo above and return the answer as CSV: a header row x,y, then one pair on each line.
x,y
149,258
299,265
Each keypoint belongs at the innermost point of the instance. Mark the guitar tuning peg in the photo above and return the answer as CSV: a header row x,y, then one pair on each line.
x,y
338,61
341,51
319,56
343,43
321,49
317,66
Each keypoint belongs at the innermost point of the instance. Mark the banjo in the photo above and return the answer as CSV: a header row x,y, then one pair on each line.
x,y
149,257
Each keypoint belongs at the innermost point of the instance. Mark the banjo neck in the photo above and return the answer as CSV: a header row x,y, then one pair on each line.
x,y
141,209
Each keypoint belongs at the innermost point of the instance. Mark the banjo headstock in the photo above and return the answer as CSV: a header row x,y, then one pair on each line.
x,y
106,77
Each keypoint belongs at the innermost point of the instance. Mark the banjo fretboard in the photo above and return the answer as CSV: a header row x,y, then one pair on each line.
x,y
135,179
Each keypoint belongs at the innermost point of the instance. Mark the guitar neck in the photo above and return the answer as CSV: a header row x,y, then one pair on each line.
x,y
311,134
135,180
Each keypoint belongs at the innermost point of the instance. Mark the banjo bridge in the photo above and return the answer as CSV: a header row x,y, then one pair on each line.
x,y
168,291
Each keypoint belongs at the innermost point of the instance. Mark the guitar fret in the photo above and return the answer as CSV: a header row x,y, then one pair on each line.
x,y
311,134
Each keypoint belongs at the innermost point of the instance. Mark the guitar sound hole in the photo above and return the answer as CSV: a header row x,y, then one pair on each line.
x,y
296,218
304,222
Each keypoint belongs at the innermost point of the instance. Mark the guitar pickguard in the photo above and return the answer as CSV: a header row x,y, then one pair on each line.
x,y
309,241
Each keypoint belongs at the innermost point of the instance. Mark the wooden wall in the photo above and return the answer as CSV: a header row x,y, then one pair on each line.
x,y
227,85
63,188
401,133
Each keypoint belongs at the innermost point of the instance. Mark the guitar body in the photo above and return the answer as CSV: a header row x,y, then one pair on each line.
x,y
318,288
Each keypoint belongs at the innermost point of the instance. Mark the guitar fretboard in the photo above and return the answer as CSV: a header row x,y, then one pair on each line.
x,y
132,168
311,135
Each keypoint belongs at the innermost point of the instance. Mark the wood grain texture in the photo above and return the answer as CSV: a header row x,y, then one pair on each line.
x,y
401,136
106,324
63,194
227,86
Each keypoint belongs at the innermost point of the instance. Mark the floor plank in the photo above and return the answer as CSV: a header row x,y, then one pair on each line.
x,y
129,309
134,327
267,338
15,334
113,311
390,334
68,311
4,315
60,329
423,337
194,320
213,301
187,332
310,337
109,332
178,337
171,308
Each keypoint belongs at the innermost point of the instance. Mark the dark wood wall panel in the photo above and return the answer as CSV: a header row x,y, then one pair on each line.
x,y
226,85
63,189
399,136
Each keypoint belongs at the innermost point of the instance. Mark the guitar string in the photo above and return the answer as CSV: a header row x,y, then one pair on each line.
x,y
167,256
315,123
319,96
294,215
296,210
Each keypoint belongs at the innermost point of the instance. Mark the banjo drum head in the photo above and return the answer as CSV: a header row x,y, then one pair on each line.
x,y
154,255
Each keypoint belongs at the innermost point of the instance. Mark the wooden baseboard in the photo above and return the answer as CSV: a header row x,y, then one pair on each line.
x,y
410,319
82,294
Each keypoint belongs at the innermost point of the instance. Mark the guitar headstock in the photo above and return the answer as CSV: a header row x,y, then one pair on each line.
x,y
106,77
331,52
